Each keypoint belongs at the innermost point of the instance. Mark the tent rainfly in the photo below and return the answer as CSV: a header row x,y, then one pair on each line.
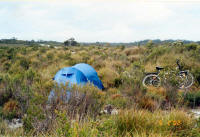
x,y
79,74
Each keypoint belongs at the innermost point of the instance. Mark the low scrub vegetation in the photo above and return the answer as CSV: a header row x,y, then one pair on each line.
x,y
26,74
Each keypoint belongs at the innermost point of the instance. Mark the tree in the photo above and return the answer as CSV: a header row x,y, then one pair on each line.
x,y
70,42
66,43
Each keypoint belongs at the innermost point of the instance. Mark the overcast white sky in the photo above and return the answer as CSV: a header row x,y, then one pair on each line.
x,y
100,20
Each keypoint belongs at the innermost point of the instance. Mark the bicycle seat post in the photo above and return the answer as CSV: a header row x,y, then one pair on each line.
x,y
178,64
159,69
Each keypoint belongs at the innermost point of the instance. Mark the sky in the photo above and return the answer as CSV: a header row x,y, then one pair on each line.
x,y
100,20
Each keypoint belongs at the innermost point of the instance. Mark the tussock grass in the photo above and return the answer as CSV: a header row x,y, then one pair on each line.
x,y
160,122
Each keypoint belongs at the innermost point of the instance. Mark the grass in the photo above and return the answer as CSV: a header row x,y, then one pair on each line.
x,y
26,79
160,122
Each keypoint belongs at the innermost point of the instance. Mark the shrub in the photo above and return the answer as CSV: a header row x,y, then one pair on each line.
x,y
171,95
72,62
50,56
11,109
52,47
35,48
6,66
192,46
196,74
150,44
1,112
25,63
64,126
109,77
122,47
111,91
5,92
171,86
156,92
43,50
86,100
156,52
97,64
35,114
4,96
192,98
148,103
68,56
118,101
30,76
11,52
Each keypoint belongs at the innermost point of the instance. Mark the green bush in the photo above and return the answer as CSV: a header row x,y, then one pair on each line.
x,y
64,126
1,112
35,113
192,98
43,50
50,56
192,46
118,101
25,63
196,74
6,66
68,56
156,52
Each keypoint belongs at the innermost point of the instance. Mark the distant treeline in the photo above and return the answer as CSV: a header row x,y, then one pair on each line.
x,y
142,42
158,41
138,43
27,42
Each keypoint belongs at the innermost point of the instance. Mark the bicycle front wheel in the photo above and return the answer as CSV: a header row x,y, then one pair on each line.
x,y
151,80
185,80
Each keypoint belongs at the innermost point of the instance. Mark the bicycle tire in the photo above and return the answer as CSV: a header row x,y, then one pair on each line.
x,y
188,81
151,80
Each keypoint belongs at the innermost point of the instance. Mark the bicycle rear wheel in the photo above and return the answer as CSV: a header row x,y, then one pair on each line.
x,y
151,80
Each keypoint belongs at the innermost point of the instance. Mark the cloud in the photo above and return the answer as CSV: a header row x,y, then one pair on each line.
x,y
112,21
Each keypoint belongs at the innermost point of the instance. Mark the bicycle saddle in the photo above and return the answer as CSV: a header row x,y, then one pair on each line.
x,y
159,68
185,72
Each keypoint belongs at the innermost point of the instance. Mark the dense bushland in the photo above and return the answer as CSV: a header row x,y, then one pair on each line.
x,y
26,79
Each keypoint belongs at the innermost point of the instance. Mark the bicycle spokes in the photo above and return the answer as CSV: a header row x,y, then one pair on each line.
x,y
151,80
185,80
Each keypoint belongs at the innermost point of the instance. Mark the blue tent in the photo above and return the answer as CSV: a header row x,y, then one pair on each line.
x,y
90,74
79,74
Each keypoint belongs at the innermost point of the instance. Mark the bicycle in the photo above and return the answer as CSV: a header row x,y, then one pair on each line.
x,y
185,78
